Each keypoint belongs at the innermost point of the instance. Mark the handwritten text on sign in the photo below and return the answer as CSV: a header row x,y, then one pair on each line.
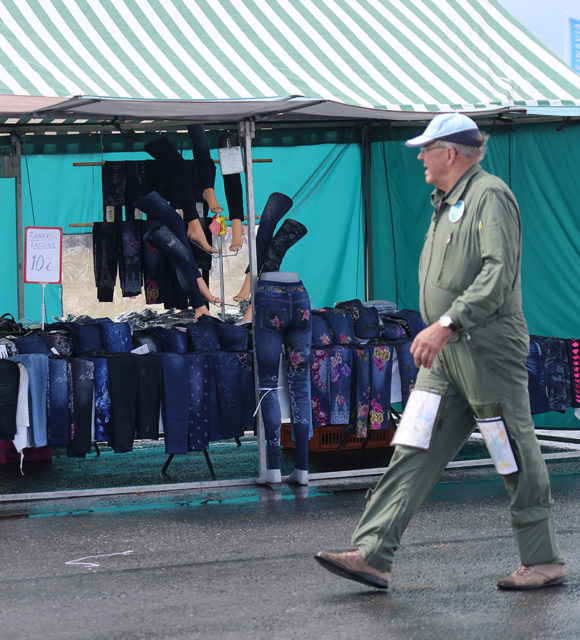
x,y
43,255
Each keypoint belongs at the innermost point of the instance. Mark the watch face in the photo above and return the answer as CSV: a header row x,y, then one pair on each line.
x,y
445,321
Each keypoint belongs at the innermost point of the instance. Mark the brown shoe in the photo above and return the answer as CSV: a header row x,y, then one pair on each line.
x,y
534,576
351,565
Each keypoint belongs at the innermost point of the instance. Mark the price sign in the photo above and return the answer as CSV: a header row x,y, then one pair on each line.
x,y
43,255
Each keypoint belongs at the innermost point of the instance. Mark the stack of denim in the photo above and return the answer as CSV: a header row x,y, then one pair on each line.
x,y
350,375
195,385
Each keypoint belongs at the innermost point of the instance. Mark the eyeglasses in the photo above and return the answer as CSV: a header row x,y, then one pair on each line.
x,y
424,150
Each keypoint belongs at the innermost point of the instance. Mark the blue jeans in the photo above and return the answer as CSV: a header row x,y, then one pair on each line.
x,y
136,184
37,366
105,259
283,319
170,238
275,209
114,185
130,269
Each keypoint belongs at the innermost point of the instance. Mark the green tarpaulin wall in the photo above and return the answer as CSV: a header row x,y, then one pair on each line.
x,y
321,173
539,163
321,170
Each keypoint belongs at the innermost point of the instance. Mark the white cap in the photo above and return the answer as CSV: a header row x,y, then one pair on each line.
x,y
453,127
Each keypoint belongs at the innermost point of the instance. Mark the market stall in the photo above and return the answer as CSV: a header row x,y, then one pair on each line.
x,y
362,111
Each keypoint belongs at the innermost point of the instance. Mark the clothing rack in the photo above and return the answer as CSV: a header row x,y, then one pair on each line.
x,y
102,162
207,459
91,224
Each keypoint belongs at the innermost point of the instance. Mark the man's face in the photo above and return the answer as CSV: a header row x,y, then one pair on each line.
x,y
434,157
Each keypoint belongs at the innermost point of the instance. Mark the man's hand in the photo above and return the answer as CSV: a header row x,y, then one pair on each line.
x,y
428,343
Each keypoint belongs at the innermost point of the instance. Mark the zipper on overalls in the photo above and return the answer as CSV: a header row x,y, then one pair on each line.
x,y
435,219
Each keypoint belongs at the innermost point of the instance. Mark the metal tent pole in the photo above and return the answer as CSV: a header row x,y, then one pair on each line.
x,y
367,204
16,152
248,131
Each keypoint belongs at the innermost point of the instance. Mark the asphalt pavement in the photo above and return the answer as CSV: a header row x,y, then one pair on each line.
x,y
237,563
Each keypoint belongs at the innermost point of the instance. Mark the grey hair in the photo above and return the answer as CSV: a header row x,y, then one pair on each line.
x,y
474,153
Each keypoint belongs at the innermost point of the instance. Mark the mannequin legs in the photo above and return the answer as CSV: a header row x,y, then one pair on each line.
x,y
182,189
287,235
283,309
170,238
236,235
196,235
235,200
205,165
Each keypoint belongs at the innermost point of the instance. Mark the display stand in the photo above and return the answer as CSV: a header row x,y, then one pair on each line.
x,y
207,459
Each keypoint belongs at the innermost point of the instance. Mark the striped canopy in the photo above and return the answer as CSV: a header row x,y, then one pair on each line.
x,y
399,56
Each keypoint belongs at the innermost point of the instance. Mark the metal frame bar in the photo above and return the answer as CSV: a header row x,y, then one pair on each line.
x,y
247,130
315,479
16,150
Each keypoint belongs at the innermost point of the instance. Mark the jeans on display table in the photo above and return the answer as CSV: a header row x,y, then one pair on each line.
x,y
202,393
196,386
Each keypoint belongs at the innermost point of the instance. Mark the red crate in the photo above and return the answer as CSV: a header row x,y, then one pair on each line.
x,y
8,453
328,438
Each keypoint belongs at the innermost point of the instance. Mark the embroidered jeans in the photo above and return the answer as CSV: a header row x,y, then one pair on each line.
x,y
283,319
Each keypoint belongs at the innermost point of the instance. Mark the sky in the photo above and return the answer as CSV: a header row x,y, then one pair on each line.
x,y
547,20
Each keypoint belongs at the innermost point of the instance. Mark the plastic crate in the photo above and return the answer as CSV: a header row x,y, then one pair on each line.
x,y
9,455
328,438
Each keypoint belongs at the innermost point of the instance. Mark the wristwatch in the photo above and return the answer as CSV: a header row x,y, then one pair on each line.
x,y
447,321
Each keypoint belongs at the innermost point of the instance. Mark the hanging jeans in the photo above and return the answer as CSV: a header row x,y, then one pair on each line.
x,y
204,420
373,366
149,392
130,271
154,272
573,347
170,238
102,400
58,409
105,259
159,273
80,374
557,371
136,184
9,381
407,368
234,377
537,389
174,405
37,366
181,263
283,319
122,369
113,180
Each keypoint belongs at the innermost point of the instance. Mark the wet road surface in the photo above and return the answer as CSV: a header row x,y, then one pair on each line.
x,y
238,563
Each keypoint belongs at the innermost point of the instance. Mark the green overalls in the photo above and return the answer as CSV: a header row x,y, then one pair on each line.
x,y
470,270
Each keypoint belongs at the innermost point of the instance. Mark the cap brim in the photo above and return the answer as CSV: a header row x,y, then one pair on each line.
x,y
419,141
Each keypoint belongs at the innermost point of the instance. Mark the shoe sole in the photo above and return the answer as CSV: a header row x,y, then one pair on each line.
x,y
551,583
364,578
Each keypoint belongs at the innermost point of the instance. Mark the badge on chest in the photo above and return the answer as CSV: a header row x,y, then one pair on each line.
x,y
456,211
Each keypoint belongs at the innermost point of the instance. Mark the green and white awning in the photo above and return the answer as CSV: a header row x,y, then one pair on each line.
x,y
395,55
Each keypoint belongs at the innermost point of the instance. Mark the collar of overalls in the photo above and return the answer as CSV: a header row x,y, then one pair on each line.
x,y
454,194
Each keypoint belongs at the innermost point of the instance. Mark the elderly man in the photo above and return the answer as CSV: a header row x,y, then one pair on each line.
x,y
472,367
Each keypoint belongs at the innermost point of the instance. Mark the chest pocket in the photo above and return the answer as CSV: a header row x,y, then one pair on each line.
x,y
459,257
